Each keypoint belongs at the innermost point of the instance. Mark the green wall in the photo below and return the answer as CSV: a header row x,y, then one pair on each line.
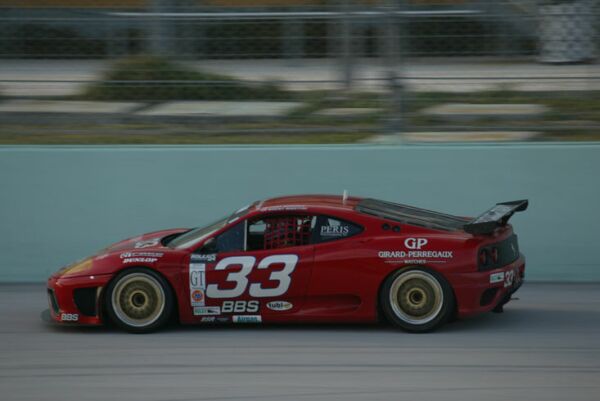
x,y
59,204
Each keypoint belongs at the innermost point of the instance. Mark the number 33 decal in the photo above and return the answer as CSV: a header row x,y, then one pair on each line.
x,y
240,278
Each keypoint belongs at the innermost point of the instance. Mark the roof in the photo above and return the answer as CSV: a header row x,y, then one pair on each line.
x,y
328,201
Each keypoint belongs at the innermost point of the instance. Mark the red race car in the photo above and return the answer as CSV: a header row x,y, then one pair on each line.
x,y
312,258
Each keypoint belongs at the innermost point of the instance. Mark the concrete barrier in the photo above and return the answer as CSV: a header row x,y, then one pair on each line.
x,y
59,204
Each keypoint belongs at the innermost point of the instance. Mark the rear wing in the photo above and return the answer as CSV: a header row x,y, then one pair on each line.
x,y
495,217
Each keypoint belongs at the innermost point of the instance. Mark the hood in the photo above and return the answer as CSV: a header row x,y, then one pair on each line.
x,y
104,260
145,241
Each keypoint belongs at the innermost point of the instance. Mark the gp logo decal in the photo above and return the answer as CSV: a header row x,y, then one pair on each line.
x,y
415,253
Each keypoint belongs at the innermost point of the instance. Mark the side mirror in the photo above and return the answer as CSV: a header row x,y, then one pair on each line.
x,y
210,246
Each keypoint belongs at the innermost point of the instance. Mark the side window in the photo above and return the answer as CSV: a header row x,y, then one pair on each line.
x,y
232,240
280,231
330,229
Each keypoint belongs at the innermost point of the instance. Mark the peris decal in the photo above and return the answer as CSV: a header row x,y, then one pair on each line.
x,y
334,231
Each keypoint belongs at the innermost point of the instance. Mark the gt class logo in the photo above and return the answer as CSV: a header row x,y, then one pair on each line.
x,y
415,243
240,278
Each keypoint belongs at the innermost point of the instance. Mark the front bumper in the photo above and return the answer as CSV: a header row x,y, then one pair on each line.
x,y
482,291
76,300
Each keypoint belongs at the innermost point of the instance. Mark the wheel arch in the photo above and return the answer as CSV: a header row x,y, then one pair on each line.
x,y
378,308
102,297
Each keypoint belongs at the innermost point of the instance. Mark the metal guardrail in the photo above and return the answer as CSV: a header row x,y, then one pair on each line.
x,y
350,56
294,15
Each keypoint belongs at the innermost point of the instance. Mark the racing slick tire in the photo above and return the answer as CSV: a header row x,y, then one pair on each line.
x,y
417,299
139,300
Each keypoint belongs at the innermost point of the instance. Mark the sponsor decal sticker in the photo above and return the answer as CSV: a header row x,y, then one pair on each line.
x,y
208,319
140,260
240,307
247,319
197,284
140,257
197,297
203,257
415,243
280,305
126,255
334,231
496,277
278,208
69,317
415,254
206,310
147,243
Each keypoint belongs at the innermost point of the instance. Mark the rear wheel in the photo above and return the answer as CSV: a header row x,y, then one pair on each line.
x,y
139,300
417,299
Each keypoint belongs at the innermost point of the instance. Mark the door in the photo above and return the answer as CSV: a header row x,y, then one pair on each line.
x,y
257,270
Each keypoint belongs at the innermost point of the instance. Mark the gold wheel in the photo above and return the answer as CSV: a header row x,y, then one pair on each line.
x,y
416,297
138,300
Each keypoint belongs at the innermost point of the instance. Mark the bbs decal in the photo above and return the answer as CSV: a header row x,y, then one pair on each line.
x,y
240,306
69,317
240,277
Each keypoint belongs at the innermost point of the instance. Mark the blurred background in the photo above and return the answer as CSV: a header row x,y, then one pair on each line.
x,y
298,71
390,77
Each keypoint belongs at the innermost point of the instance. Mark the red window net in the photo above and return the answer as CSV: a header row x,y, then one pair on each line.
x,y
281,232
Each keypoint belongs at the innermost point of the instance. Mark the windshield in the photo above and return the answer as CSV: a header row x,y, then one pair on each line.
x,y
196,235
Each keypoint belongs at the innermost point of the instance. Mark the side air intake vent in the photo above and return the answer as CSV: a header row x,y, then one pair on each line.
x,y
85,299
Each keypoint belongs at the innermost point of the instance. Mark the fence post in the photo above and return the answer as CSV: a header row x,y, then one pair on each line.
x,y
158,31
293,38
390,49
346,39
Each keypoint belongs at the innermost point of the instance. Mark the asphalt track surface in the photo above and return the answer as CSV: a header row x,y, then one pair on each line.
x,y
546,346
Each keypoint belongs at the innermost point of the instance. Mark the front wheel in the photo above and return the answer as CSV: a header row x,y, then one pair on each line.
x,y
139,300
417,299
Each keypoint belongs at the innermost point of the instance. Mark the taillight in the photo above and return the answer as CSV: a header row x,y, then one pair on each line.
x,y
483,257
494,253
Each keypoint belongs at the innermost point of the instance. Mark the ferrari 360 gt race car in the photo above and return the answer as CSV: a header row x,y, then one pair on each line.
x,y
310,258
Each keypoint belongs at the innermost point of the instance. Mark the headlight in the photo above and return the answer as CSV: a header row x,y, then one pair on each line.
x,y
76,267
